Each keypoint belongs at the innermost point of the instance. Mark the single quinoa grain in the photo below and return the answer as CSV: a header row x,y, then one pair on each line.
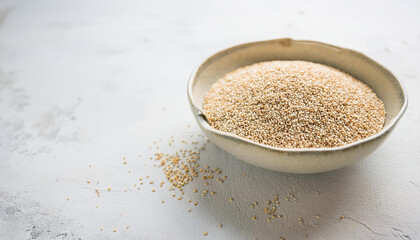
x,y
294,104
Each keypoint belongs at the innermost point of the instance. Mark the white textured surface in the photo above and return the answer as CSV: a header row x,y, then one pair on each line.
x,y
87,82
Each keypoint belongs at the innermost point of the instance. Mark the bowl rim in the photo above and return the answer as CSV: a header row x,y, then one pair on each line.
x,y
199,115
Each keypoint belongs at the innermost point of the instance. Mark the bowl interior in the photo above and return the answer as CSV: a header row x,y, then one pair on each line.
x,y
386,86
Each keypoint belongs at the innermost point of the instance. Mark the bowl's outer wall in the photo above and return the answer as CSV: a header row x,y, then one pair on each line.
x,y
386,86
292,162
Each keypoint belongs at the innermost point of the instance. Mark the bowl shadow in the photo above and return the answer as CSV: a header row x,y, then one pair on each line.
x,y
307,203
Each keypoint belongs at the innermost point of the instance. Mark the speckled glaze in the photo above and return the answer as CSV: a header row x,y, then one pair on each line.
x,y
382,81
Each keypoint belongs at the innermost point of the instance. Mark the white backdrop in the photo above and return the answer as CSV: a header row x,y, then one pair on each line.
x,y
88,82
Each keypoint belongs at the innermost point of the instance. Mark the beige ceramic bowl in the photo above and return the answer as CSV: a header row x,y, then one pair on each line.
x,y
310,160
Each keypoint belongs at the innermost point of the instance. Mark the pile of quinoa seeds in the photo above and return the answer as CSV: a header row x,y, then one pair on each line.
x,y
294,104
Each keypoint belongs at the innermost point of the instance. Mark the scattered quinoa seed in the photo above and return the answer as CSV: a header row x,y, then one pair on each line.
x,y
300,220
205,233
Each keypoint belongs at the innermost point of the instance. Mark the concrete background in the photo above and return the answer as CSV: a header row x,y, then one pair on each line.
x,y
89,82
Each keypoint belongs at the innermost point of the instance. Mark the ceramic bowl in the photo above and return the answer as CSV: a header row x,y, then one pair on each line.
x,y
309,160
